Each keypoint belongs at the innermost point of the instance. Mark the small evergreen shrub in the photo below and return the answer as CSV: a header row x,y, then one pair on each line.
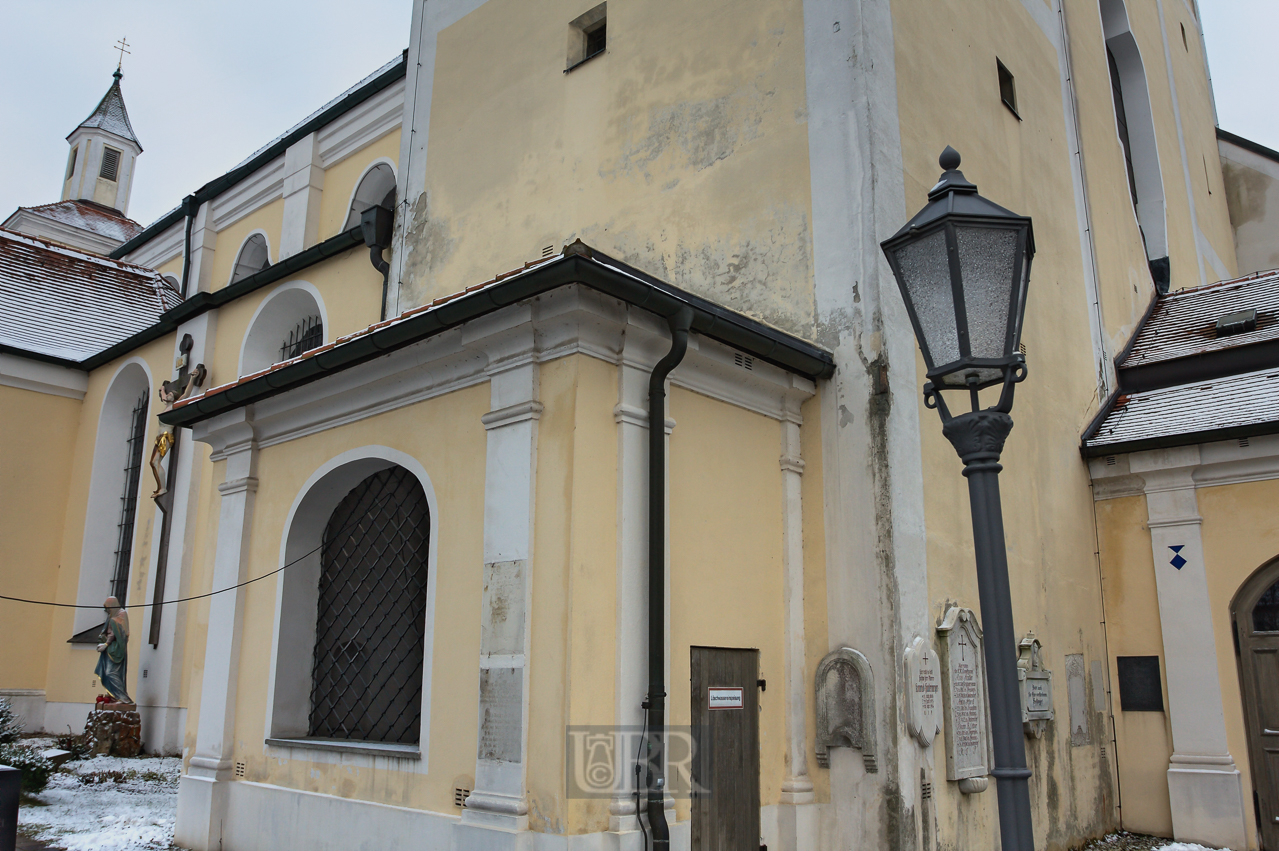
x,y
34,767
10,728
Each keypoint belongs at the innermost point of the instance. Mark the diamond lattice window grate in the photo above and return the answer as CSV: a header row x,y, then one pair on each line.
x,y
371,615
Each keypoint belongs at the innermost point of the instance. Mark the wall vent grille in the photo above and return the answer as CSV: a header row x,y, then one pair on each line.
x,y
1243,441
459,796
548,251
239,769
1110,460
744,361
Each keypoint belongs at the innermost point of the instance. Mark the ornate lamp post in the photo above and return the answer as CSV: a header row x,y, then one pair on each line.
x,y
962,264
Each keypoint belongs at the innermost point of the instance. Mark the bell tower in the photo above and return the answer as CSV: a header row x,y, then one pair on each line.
x,y
103,151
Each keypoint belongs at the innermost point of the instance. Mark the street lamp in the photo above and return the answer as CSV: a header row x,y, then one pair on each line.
x,y
962,265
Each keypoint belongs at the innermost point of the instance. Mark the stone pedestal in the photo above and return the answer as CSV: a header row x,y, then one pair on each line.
x,y
114,729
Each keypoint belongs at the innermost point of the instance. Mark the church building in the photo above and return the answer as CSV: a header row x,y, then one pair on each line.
x,y
549,386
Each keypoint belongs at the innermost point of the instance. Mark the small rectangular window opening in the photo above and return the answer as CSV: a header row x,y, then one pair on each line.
x,y
587,36
1007,88
75,152
110,164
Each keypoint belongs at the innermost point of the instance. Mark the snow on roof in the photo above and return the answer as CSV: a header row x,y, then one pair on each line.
x,y
1184,323
90,216
1191,409
64,303
110,114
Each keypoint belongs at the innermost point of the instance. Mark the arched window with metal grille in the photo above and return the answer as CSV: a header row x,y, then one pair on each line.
x,y
129,500
366,678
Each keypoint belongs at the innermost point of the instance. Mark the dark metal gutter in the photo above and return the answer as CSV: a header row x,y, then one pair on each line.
x,y
1248,145
204,302
276,149
1189,438
579,265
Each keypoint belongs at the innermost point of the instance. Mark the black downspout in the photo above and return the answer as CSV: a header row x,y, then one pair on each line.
x,y
656,704
190,206
375,227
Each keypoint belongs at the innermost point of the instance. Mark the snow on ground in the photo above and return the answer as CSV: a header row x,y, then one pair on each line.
x,y
105,804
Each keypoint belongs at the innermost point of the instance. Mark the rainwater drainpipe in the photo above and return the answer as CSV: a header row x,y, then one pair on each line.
x,y
190,206
656,703
375,227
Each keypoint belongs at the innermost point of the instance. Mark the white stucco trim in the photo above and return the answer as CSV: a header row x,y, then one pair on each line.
x,y
254,192
254,332
40,377
162,248
323,490
362,126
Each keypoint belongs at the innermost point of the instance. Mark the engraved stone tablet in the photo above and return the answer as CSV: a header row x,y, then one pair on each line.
x,y
1036,686
967,715
923,678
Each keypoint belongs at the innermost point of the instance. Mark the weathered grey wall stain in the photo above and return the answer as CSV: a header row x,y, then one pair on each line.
x,y
429,243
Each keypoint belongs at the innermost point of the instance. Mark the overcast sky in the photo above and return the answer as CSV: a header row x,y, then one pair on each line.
x,y
209,83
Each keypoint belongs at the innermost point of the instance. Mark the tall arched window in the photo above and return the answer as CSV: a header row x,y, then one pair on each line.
x,y
366,676
376,189
253,257
129,499
1136,130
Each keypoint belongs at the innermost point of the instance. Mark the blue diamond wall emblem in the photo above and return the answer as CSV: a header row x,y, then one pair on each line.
x,y
1177,561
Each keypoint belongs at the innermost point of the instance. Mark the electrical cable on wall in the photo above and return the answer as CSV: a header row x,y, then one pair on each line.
x,y
280,569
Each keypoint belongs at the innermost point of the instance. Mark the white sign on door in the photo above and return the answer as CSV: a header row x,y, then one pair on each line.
x,y
724,698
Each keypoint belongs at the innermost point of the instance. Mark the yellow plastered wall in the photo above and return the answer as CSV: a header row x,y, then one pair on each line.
x,y
340,181
446,436
682,149
38,432
726,571
949,94
1143,739
349,286
268,218
70,667
573,630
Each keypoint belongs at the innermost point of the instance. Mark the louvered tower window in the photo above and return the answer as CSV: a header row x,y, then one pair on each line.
x,y
366,677
308,335
110,164
129,500
75,152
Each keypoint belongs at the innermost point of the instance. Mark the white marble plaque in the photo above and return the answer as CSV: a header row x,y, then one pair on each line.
x,y
1036,686
923,678
967,715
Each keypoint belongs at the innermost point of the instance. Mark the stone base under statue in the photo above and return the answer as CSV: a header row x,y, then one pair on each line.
x,y
114,729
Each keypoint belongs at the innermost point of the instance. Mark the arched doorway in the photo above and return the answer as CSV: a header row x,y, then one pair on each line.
x,y
1255,615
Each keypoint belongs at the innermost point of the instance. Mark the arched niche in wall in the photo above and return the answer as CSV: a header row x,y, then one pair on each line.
x,y
114,490
298,595
376,187
254,256
289,321
1135,126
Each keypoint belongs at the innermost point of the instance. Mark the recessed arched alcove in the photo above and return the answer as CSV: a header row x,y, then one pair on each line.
x,y
376,187
254,256
290,321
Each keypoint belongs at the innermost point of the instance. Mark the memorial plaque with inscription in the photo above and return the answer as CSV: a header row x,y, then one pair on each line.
x,y
967,716
1036,686
923,678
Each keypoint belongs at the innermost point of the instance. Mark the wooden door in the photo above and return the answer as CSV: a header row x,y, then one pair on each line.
x,y
726,731
1256,620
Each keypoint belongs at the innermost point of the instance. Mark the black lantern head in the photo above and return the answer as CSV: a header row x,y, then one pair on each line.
x,y
962,264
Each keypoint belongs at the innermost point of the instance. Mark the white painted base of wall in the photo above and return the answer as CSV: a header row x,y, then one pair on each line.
x,y
1207,804
28,706
163,729
59,716
263,817
789,827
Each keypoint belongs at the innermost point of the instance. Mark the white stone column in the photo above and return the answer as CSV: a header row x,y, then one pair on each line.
x,y
303,184
1204,786
204,240
497,809
202,793
797,823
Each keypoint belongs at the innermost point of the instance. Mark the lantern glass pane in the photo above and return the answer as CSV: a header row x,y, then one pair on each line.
x,y
925,273
987,257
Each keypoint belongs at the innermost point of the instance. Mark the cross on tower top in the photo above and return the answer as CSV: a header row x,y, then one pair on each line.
x,y
122,45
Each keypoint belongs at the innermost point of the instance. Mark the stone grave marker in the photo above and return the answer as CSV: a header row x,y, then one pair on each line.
x,y
967,705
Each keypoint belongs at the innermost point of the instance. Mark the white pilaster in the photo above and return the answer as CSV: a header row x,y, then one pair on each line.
x,y
496,813
303,184
203,794
204,240
1204,786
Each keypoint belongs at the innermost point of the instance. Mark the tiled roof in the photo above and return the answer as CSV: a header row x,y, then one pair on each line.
x,y
110,114
63,303
1160,416
1184,323
89,216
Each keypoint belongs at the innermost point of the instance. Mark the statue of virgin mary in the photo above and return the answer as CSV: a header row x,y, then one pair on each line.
x,y
113,651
